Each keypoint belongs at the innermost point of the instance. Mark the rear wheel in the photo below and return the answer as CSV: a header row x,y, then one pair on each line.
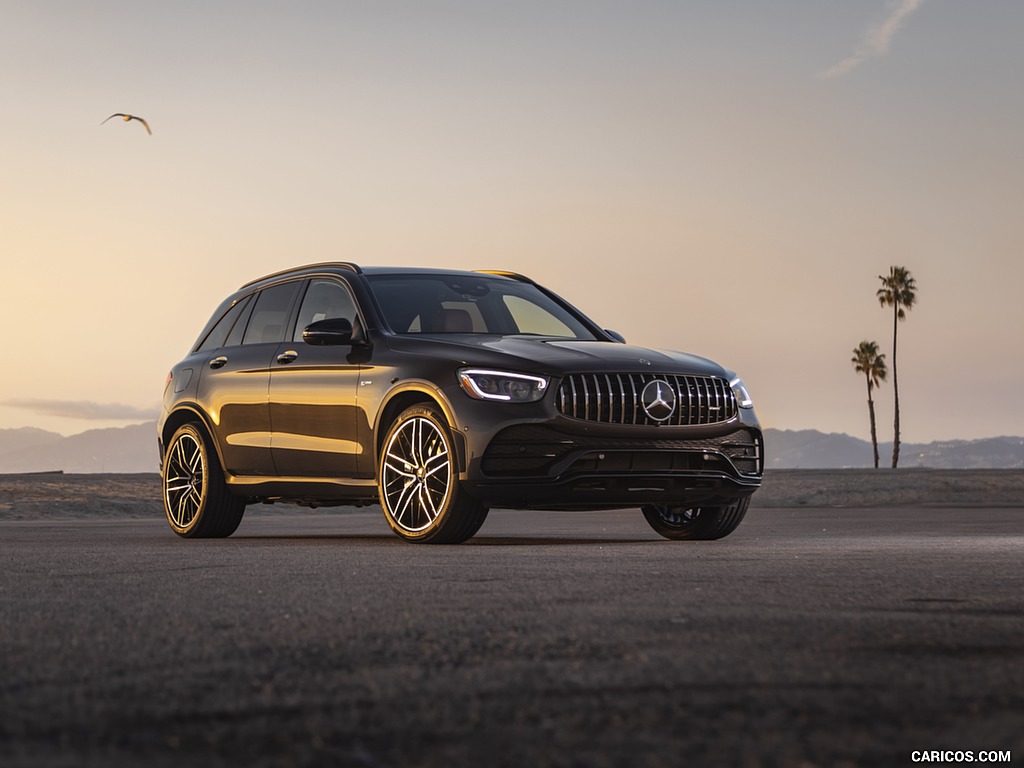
x,y
196,498
696,523
419,485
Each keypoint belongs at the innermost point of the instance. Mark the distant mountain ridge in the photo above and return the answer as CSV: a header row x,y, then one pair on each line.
x,y
116,449
133,449
810,449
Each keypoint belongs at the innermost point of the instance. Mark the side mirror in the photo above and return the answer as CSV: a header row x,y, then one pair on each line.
x,y
334,331
616,336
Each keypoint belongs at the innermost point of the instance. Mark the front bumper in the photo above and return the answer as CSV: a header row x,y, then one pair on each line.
x,y
614,491
563,463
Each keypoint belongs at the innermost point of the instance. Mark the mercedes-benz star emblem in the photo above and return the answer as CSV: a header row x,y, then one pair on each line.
x,y
659,400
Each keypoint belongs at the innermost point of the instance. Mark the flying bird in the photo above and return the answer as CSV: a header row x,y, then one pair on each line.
x,y
131,117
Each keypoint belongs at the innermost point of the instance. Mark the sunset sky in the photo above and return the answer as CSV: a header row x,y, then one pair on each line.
x,y
725,178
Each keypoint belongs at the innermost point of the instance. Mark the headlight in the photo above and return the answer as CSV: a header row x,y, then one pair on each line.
x,y
743,399
502,385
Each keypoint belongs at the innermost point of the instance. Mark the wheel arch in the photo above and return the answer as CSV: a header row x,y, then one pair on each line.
x,y
412,393
183,415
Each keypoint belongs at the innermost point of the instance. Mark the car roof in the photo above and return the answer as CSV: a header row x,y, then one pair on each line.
x,y
418,271
383,270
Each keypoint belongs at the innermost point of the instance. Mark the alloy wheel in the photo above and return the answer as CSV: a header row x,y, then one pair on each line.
x,y
417,474
678,516
185,480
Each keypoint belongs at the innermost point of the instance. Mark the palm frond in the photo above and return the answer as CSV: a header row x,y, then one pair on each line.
x,y
899,290
869,361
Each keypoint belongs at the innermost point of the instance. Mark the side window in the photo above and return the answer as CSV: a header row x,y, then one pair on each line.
x,y
325,299
235,337
270,314
216,338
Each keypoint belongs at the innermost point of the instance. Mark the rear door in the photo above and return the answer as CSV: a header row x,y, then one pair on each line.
x,y
235,382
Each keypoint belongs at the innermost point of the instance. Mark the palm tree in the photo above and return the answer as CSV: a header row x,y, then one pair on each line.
x,y
899,292
866,360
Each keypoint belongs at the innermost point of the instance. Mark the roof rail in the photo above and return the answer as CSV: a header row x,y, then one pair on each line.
x,y
503,273
342,264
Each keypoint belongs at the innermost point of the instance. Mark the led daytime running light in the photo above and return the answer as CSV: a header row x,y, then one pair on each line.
x,y
468,378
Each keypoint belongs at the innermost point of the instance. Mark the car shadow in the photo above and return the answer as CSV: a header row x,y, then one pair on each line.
x,y
477,541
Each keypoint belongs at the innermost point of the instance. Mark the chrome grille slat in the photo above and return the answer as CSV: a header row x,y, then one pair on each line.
x,y
689,396
611,399
622,403
680,416
615,398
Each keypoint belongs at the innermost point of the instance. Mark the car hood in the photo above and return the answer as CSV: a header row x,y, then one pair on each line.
x,y
555,356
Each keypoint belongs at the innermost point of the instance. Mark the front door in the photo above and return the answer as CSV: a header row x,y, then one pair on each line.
x,y
313,392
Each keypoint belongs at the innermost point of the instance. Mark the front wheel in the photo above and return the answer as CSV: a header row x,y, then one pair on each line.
x,y
196,498
419,485
696,523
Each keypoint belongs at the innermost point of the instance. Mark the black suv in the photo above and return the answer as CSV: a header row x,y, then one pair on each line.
x,y
440,394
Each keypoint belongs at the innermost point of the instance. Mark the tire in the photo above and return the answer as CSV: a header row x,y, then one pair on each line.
x,y
696,523
418,482
197,502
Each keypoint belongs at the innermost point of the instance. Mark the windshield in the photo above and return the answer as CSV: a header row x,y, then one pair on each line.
x,y
472,304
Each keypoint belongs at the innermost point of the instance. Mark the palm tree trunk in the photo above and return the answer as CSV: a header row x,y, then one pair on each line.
x,y
895,389
871,412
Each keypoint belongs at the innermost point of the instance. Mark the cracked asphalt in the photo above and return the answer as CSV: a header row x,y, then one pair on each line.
x,y
810,637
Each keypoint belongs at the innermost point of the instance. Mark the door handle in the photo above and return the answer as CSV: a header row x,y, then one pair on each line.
x,y
219,362
287,357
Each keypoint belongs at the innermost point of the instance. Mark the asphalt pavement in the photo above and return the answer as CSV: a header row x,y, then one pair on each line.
x,y
810,637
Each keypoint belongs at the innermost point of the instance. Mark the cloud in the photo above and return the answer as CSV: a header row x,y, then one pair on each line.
x,y
876,42
82,409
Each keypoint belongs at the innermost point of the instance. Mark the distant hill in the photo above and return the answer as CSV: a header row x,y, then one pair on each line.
x,y
133,449
118,449
810,449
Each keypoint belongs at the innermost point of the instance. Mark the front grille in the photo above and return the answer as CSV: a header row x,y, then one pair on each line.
x,y
616,398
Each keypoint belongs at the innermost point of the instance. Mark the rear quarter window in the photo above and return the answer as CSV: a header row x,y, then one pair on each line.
x,y
270,314
218,337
